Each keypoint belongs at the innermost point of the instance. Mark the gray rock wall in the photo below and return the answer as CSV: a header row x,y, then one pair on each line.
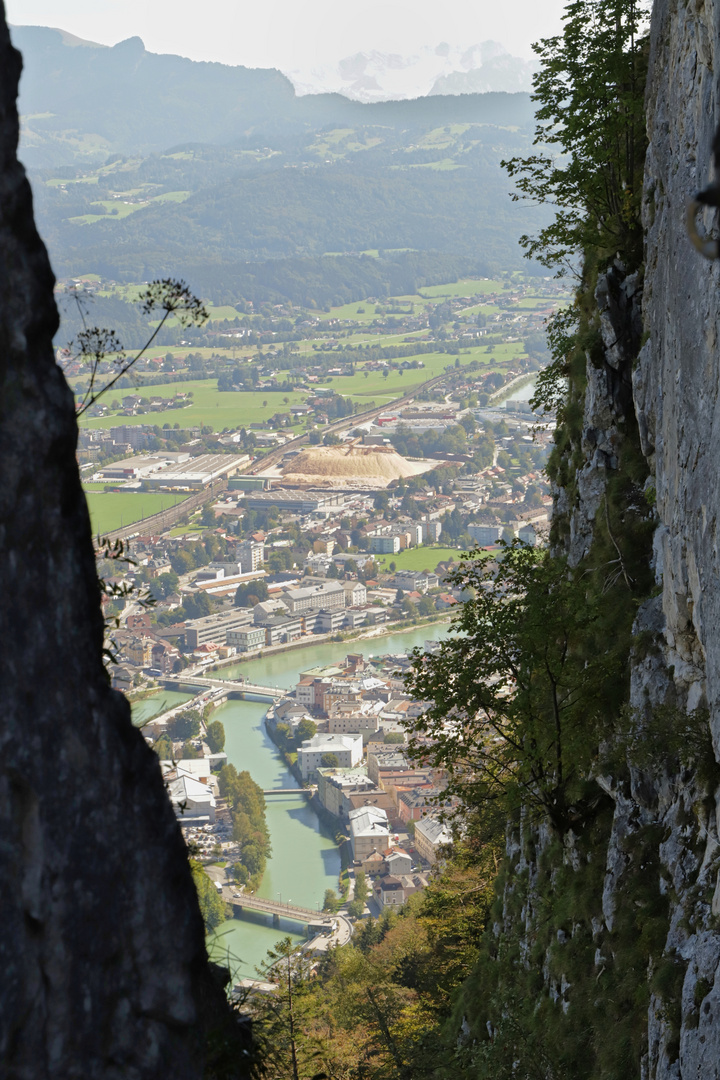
x,y
676,380
675,388
675,383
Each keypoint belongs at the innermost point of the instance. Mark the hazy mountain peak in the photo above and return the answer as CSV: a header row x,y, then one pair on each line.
x,y
440,69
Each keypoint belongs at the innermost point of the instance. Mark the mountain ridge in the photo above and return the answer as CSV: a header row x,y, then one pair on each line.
x,y
83,102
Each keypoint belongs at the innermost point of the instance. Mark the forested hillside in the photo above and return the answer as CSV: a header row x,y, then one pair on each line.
x,y
84,101
143,163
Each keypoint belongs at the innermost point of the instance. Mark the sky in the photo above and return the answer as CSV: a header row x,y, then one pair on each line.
x,y
289,34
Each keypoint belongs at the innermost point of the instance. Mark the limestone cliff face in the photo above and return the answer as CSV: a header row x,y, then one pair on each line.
x,y
674,394
675,387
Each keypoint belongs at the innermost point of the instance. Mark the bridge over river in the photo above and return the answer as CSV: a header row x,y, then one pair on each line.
x,y
234,686
333,929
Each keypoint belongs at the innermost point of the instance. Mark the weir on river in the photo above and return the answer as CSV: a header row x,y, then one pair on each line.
x,y
305,860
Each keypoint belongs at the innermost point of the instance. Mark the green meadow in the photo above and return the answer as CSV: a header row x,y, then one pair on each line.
x,y
114,509
208,406
418,558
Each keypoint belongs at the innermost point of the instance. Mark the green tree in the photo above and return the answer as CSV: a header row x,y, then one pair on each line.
x,y
284,735
305,730
329,761
283,1021
163,747
240,873
361,889
394,738
331,901
207,517
409,608
198,606
518,693
214,910
189,752
164,585
251,593
186,725
589,94
215,737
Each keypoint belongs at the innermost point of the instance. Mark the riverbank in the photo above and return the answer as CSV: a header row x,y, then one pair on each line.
x,y
378,632
292,766
515,384
305,859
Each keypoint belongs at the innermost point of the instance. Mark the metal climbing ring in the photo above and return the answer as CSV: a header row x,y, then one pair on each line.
x,y
710,249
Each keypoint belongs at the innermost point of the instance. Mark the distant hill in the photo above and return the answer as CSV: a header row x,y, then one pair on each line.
x,y
146,165
83,101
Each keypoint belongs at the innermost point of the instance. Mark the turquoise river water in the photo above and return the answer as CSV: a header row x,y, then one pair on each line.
x,y
305,860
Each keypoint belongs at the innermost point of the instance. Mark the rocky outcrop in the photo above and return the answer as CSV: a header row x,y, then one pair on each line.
x,y
101,941
608,403
673,388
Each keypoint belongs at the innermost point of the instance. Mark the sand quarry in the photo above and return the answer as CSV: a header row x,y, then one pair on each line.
x,y
351,466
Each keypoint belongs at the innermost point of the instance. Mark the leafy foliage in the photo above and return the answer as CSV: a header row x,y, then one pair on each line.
x,y
215,737
589,91
376,1008
520,695
186,725
212,907
250,829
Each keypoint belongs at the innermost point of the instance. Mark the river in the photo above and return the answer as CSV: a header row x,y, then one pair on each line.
x,y
146,708
305,860
521,393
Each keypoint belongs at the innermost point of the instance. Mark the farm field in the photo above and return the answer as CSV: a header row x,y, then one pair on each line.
x,y
399,383
111,510
468,287
208,407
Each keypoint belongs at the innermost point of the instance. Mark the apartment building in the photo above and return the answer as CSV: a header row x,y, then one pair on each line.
x,y
329,595
251,637
347,749
251,555
216,627
430,836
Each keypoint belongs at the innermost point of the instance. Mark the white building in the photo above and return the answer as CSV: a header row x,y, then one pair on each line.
x,y
431,531
385,545
191,797
430,836
369,831
330,595
251,555
348,750
485,534
528,535
355,594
